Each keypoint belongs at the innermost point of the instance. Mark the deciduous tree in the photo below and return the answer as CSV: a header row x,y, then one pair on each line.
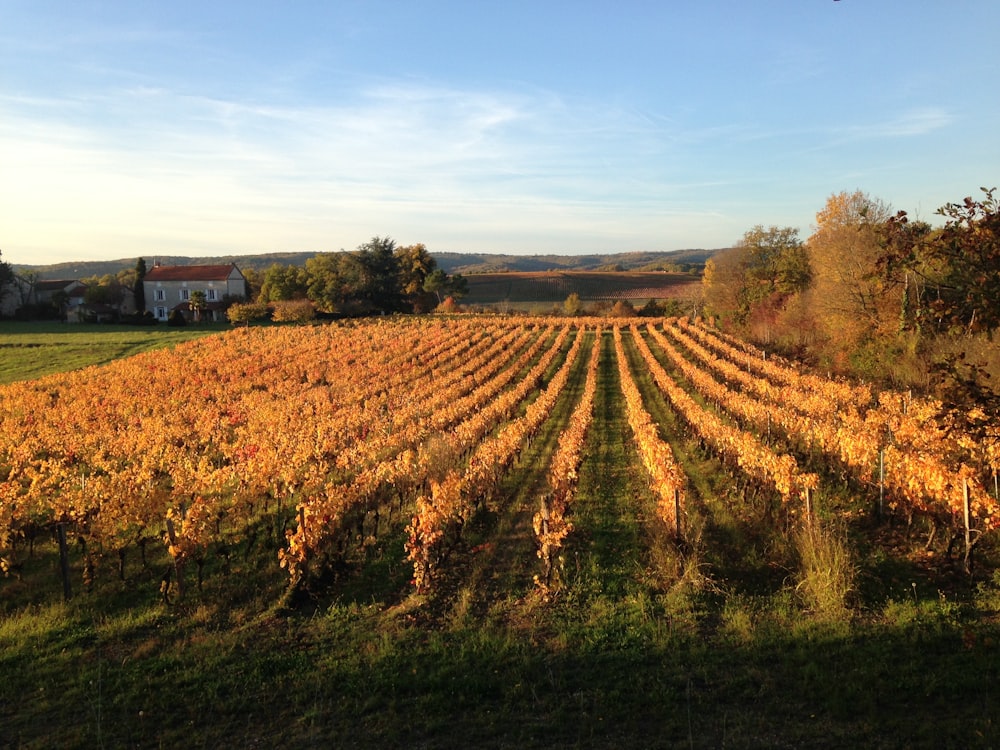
x,y
282,282
380,287
335,280
968,251
765,268
851,297
6,278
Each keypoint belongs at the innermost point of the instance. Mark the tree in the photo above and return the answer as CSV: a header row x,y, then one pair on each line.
x,y
254,280
442,285
722,283
967,251
459,286
104,290
380,288
571,306
415,264
758,275
24,285
851,296
197,303
622,309
6,279
284,283
138,289
335,280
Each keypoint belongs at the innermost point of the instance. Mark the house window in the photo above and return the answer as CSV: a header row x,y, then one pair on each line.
x,y
185,295
160,295
161,313
210,295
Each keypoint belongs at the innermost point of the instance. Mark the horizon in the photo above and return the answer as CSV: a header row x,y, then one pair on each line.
x,y
563,129
128,262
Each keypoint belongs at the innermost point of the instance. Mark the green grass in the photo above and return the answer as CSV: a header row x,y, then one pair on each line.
x,y
32,350
631,651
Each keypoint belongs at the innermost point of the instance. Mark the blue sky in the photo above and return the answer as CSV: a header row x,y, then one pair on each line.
x,y
138,128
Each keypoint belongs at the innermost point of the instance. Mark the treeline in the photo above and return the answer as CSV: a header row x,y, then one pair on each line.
x,y
873,293
379,277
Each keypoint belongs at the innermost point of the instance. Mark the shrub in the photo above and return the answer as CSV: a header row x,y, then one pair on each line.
x,y
293,311
244,312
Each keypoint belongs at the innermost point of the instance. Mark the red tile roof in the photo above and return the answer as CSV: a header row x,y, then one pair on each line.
x,y
190,273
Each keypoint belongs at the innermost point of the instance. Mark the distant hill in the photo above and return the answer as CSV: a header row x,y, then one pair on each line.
x,y
473,263
464,263
86,268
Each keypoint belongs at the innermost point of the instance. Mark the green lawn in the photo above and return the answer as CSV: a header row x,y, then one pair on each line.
x,y
31,350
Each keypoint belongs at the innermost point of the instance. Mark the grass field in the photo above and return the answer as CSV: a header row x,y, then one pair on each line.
x,y
30,350
709,643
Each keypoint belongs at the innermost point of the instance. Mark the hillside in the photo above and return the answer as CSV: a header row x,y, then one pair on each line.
x,y
521,289
465,263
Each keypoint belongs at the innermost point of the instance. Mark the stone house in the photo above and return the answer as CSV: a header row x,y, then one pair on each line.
x,y
169,288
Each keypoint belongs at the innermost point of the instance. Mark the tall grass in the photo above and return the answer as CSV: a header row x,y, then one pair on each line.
x,y
827,571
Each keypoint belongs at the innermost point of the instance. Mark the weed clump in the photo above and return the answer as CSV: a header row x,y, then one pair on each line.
x,y
827,571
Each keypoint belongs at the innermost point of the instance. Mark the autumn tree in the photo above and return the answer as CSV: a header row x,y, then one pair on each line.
x,y
850,295
415,265
967,294
952,301
758,275
571,305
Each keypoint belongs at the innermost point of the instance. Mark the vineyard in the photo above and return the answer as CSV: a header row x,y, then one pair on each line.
x,y
522,289
563,501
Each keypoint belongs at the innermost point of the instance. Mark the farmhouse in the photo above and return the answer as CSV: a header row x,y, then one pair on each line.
x,y
23,294
169,288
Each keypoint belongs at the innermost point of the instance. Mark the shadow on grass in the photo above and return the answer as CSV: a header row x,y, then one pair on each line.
x,y
362,677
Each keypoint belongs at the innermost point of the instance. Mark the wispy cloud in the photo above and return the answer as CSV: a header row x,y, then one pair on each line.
x,y
914,122
142,162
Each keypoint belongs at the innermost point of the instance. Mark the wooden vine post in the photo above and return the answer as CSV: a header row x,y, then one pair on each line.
x,y
967,512
810,506
881,482
677,512
178,560
64,560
